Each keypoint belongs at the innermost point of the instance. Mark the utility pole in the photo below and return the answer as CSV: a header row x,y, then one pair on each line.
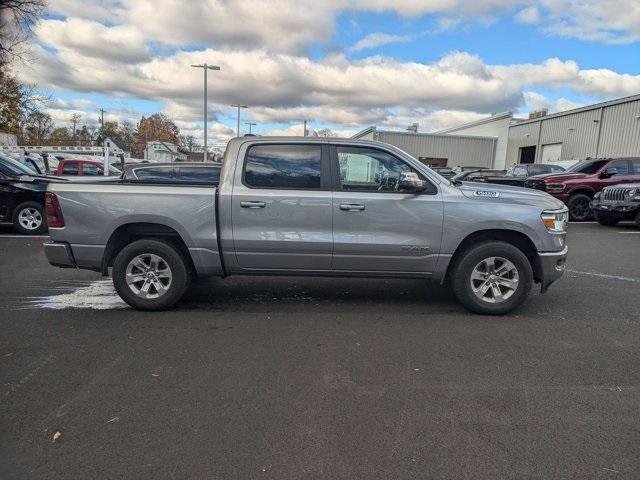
x,y
102,110
238,106
251,124
304,132
205,67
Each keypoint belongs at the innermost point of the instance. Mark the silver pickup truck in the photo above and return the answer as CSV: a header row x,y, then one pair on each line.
x,y
311,206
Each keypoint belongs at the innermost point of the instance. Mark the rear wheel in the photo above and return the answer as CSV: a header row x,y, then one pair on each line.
x,y
29,218
150,275
606,220
492,278
579,207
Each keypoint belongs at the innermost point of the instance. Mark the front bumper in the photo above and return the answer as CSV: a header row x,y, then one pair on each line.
x,y
618,209
551,266
59,254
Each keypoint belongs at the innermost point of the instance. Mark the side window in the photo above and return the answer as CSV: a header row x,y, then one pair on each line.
x,y
539,169
155,174
70,168
283,166
370,170
636,167
619,168
91,169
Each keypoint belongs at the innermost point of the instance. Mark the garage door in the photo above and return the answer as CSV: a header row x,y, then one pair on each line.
x,y
551,152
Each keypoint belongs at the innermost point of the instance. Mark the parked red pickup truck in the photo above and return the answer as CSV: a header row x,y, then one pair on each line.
x,y
81,167
577,186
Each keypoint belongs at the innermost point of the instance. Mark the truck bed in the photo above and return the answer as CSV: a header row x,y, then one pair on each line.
x,y
93,212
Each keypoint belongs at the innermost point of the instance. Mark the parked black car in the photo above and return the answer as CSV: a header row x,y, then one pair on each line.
x,y
22,197
477,175
179,172
517,174
446,172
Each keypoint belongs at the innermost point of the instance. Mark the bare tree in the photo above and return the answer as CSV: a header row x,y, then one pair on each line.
x,y
17,18
75,119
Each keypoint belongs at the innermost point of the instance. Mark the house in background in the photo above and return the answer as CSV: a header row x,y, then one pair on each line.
x,y
163,152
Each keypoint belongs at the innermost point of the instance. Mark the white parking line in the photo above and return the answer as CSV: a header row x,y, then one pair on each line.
x,y
581,223
631,233
24,236
603,275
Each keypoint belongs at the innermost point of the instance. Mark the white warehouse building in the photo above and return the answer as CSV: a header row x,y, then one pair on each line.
x,y
609,129
439,150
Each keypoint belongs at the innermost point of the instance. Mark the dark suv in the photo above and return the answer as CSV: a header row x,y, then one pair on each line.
x,y
577,186
517,174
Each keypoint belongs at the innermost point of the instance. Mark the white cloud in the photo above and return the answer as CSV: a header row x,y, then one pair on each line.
x,y
536,101
530,15
607,21
89,38
377,39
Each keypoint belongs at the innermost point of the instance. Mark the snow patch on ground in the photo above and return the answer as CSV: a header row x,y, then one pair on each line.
x,y
98,295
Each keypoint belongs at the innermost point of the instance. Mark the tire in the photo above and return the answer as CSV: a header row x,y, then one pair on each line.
x,y
29,218
579,207
606,220
167,282
638,219
472,259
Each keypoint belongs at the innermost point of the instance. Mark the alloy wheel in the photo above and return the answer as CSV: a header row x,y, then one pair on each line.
x,y
30,218
148,276
494,280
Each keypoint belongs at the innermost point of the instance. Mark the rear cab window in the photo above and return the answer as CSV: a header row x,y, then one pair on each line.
x,y
198,174
155,174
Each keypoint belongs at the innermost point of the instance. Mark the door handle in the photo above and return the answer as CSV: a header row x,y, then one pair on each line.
x,y
352,207
253,204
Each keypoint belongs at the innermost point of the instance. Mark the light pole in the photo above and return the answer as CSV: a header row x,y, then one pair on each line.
x,y
251,124
238,106
205,67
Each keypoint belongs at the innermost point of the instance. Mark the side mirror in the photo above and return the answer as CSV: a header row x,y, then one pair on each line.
x,y
411,182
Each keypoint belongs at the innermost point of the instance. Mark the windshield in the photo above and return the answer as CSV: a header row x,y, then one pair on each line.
x,y
14,167
587,167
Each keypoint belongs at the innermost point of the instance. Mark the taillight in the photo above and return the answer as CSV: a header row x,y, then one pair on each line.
x,y
54,212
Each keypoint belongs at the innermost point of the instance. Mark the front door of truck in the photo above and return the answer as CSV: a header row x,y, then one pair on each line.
x,y
378,227
281,208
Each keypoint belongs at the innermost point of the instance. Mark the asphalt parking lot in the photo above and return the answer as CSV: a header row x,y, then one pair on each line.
x,y
322,378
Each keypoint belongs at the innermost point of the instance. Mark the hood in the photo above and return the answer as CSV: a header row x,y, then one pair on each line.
x,y
561,177
490,192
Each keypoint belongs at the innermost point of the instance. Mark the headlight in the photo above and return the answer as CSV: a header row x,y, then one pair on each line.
x,y
597,196
634,194
555,221
554,187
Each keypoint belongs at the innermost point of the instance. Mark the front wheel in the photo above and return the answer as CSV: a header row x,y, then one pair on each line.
x,y
150,275
579,207
492,278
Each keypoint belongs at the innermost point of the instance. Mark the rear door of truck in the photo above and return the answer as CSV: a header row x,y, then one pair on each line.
x,y
281,207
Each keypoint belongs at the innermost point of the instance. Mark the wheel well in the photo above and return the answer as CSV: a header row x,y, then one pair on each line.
x,y
130,232
584,191
517,239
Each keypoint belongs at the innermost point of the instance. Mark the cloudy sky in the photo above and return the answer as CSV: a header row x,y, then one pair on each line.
x,y
341,64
